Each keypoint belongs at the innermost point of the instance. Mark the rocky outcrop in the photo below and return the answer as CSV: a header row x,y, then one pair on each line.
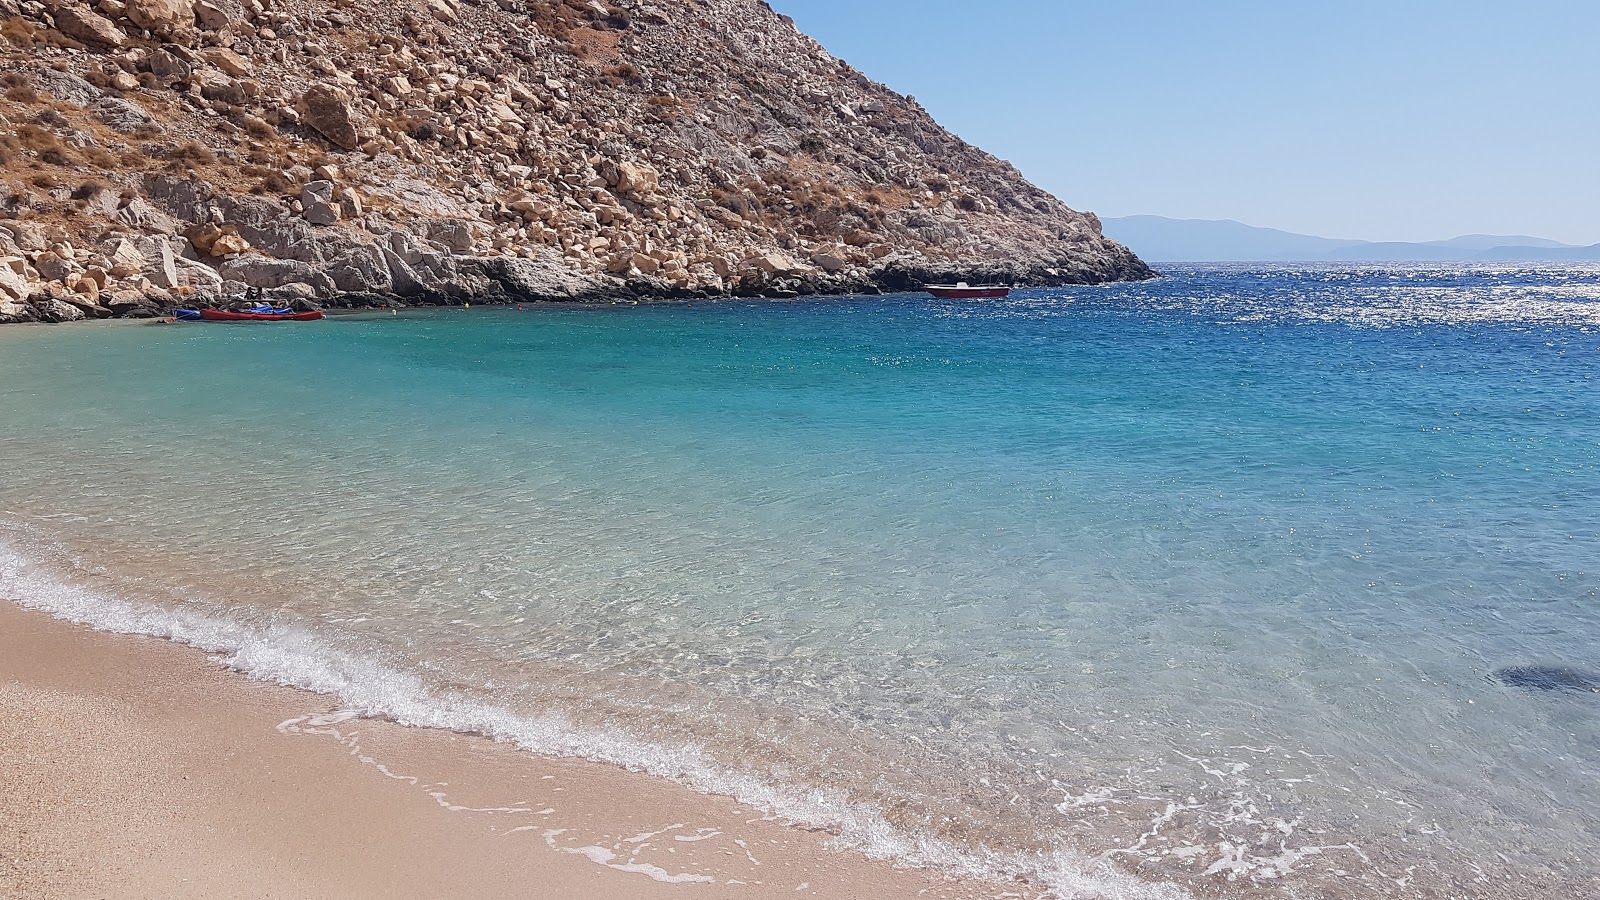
x,y
123,116
158,153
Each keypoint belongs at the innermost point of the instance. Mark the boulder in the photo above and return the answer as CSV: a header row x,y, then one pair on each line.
x,y
453,233
229,244
408,247
167,66
262,272
417,269
14,311
120,114
209,16
637,179
12,285
64,86
404,280
185,198
228,61
125,259
316,201
161,265
29,236
294,291
327,110
86,297
91,28
97,275
771,263
268,226
137,213
126,303
221,89
361,270
156,14
101,202
350,205
543,276
197,275
53,267
827,262
201,237
57,311
319,191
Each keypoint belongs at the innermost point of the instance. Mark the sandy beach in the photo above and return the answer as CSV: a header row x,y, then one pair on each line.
x,y
134,767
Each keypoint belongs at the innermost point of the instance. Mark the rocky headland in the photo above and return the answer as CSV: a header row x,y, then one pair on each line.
x,y
165,153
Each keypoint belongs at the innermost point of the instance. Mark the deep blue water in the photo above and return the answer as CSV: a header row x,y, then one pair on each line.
x,y
1206,579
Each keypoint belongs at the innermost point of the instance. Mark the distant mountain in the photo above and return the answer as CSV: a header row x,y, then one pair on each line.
x,y
1491,241
1156,238
1159,239
1590,253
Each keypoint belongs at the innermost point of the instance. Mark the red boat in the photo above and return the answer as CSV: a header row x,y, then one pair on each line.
x,y
963,291
223,315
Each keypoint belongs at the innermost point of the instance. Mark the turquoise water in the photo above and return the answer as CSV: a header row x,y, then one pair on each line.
x,y
1203,581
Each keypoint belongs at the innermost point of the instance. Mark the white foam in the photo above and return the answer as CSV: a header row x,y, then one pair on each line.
x,y
295,657
605,857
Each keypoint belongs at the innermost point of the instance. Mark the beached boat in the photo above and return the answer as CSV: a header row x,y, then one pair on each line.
x,y
963,291
224,315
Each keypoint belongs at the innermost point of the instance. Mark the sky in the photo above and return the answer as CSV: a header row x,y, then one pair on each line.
x,y
1400,120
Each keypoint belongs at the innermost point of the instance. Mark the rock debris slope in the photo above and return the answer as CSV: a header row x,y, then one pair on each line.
x,y
158,153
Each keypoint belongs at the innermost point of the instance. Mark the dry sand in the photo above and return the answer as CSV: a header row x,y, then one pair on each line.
x,y
133,767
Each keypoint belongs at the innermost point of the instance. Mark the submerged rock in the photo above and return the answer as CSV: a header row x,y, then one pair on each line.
x,y
1549,678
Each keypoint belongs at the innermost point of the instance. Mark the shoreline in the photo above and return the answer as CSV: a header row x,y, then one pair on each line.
x,y
36,309
142,767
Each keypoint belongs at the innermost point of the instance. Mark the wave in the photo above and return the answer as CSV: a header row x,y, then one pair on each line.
x,y
293,656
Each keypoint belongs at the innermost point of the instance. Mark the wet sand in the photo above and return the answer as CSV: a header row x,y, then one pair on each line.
x,y
132,767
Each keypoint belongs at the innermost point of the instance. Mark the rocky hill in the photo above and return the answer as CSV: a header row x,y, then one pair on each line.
x,y
156,153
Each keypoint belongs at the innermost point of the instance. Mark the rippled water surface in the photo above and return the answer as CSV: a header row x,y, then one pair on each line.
x,y
1206,581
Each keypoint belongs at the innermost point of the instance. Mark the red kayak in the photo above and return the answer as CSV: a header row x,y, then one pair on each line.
x,y
223,315
964,291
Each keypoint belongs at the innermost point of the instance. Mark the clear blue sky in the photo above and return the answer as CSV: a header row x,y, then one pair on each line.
x,y
1397,120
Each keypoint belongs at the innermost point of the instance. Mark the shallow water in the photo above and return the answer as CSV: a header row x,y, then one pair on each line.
x,y
1205,579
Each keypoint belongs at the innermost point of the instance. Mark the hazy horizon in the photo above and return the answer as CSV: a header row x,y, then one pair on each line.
x,y
1341,237
1383,123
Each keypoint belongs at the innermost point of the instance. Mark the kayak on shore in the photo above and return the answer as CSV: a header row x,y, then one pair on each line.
x,y
257,315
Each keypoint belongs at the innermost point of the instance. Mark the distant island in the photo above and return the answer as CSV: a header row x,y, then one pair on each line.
x,y
1160,239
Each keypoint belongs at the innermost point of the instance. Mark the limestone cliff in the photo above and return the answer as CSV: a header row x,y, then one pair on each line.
x,y
181,152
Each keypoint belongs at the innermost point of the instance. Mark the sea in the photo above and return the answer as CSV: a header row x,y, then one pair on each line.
x,y
1248,581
